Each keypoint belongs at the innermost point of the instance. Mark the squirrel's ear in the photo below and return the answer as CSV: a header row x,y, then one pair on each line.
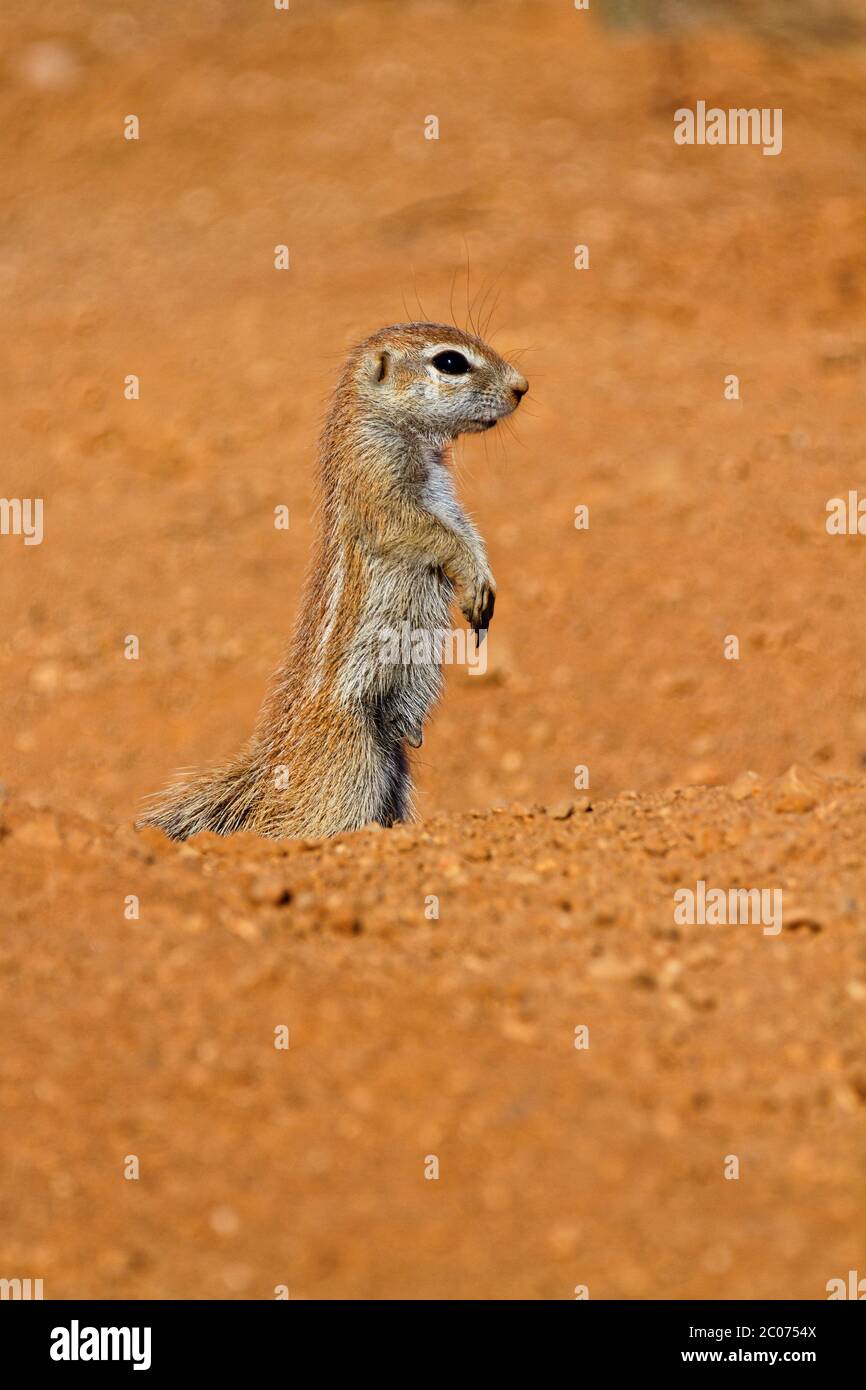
x,y
379,364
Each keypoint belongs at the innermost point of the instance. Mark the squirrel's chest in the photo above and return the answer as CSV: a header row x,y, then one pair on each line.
x,y
408,592
405,610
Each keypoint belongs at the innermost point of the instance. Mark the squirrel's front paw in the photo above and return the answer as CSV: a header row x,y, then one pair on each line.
x,y
479,598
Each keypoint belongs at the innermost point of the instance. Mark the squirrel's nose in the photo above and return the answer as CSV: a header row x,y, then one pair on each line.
x,y
519,388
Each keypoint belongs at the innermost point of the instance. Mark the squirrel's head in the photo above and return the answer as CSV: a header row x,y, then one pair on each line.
x,y
436,381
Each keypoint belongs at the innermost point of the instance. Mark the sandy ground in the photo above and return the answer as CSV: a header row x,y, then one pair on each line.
x,y
452,1037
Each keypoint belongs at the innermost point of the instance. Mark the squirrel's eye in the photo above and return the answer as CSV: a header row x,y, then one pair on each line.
x,y
451,363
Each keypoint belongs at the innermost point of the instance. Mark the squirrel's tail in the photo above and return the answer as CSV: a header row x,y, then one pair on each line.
x,y
221,800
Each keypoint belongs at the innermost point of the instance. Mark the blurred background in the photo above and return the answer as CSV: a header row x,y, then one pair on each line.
x,y
259,127
153,1036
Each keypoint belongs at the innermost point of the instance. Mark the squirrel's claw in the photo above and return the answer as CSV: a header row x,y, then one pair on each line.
x,y
486,616
478,611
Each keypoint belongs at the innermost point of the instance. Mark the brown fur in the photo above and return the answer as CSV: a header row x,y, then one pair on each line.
x,y
394,546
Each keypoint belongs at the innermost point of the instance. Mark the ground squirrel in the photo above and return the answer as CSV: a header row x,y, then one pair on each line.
x,y
395,547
